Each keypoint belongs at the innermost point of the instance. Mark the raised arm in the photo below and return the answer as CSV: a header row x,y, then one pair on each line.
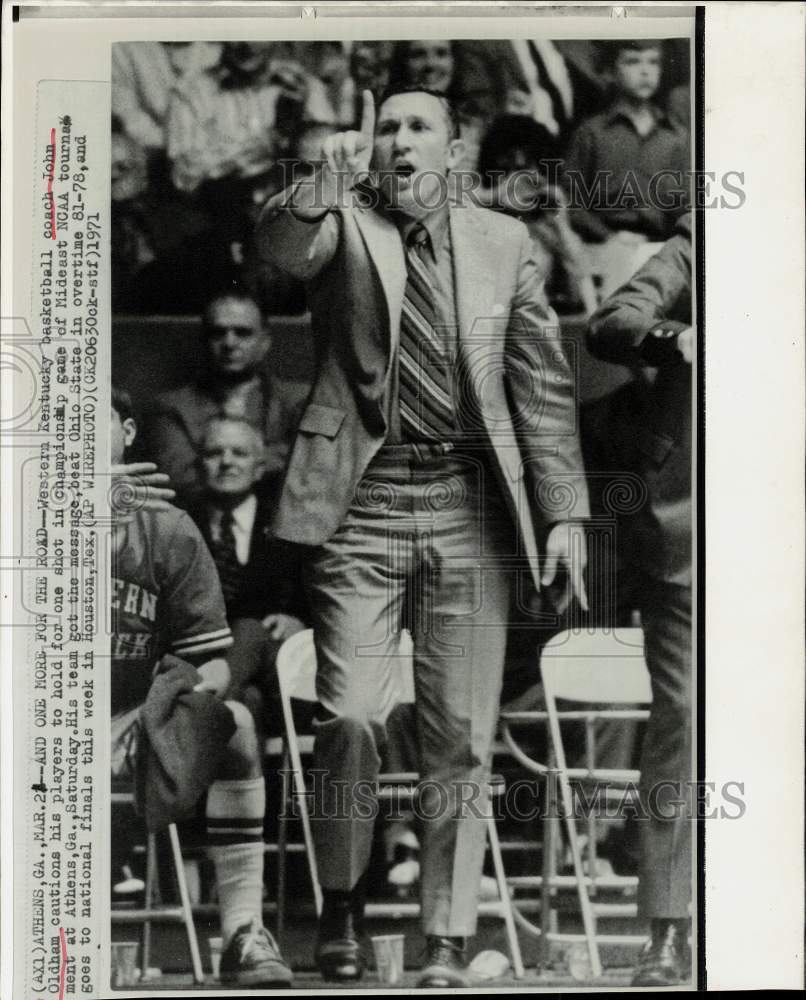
x,y
299,229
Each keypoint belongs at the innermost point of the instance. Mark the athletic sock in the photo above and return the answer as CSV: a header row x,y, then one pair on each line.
x,y
235,811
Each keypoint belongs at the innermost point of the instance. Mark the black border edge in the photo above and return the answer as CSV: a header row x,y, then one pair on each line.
x,y
699,263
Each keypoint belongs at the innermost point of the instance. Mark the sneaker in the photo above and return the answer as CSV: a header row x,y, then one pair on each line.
x,y
252,958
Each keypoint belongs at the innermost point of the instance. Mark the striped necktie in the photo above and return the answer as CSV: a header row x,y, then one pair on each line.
x,y
426,405
225,556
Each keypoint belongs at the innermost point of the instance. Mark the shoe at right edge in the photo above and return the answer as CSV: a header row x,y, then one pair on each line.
x,y
666,957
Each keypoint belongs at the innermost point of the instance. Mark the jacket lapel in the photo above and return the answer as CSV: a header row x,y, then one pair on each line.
x,y
385,250
482,321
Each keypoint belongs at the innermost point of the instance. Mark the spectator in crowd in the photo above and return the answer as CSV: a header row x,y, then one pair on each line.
x,y
237,118
647,324
228,129
446,67
556,83
370,64
144,76
518,161
236,382
260,576
627,167
161,256
330,63
168,617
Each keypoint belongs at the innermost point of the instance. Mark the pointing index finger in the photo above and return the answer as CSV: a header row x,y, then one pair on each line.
x,y
368,116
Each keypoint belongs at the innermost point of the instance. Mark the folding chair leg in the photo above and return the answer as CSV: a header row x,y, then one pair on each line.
x,y
190,927
308,838
547,914
506,902
148,899
282,842
588,917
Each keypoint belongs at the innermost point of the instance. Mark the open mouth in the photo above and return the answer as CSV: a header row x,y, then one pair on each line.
x,y
403,169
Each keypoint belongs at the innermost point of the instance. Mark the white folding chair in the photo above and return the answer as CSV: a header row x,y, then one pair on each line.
x,y
296,672
600,667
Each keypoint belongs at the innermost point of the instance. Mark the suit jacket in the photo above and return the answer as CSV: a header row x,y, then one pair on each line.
x,y
175,429
649,426
520,381
272,575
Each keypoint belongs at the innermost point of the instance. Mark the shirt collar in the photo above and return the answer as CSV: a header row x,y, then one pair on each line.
x,y
243,516
436,225
621,109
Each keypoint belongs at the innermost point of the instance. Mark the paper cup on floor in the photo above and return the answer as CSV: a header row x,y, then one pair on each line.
x,y
388,949
215,944
488,965
124,963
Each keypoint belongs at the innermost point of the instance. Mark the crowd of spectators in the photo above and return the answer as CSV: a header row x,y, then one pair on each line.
x,y
204,133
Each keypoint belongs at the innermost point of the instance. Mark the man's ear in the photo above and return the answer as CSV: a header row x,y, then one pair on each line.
x,y
129,432
456,150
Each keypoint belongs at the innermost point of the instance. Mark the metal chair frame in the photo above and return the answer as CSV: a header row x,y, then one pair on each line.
x,y
151,910
591,666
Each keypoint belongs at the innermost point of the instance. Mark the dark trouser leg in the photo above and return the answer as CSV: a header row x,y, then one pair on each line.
x,y
666,762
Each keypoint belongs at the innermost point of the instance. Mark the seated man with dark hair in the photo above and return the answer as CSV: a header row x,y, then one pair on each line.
x,y
236,382
169,637
260,576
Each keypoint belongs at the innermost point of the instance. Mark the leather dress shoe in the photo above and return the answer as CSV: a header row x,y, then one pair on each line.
x,y
666,958
445,964
340,955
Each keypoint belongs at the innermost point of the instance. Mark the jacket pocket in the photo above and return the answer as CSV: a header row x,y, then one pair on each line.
x,y
320,419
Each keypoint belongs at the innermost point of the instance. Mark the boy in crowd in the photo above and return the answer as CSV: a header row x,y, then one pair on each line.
x,y
627,168
167,599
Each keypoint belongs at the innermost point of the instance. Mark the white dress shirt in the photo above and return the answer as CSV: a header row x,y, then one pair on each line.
x,y
243,523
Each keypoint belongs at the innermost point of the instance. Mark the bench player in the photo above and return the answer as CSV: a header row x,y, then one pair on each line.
x,y
167,598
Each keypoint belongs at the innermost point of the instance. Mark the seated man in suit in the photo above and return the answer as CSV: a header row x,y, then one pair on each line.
x,y
236,381
260,576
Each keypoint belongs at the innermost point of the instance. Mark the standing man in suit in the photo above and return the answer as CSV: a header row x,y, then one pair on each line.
x,y
437,453
647,323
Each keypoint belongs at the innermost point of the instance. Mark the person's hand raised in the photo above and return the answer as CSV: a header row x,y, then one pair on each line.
x,y
349,153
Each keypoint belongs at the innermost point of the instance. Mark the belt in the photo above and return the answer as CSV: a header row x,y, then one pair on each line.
x,y
425,453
